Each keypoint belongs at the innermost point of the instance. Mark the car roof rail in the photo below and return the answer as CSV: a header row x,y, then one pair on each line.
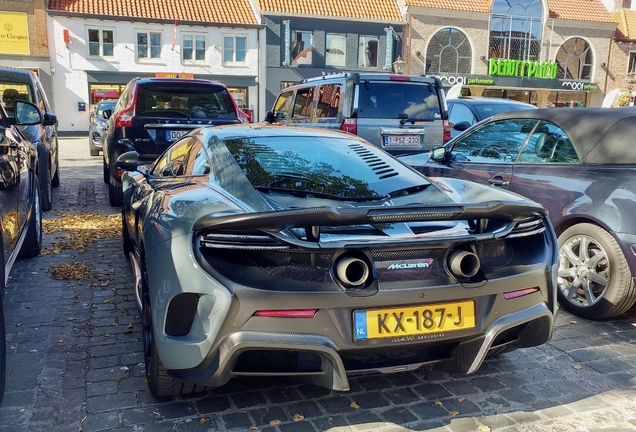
x,y
330,76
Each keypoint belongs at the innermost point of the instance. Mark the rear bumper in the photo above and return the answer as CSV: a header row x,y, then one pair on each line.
x,y
524,328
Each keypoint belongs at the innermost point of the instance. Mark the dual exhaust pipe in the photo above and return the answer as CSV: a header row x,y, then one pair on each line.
x,y
352,272
463,264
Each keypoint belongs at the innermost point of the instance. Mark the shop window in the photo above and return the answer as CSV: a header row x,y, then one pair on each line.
x,y
101,42
240,96
448,52
515,29
193,47
336,50
301,48
148,45
368,51
285,84
631,63
574,60
234,49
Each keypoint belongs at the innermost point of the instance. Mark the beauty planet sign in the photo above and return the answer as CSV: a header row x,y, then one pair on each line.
x,y
14,33
522,68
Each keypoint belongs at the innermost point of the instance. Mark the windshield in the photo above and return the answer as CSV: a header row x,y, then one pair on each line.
x,y
389,99
185,100
326,166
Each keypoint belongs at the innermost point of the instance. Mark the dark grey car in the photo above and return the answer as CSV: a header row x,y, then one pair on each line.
x,y
292,251
581,165
96,128
22,84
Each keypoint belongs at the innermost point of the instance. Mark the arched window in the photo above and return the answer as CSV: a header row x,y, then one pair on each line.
x,y
574,59
516,29
448,52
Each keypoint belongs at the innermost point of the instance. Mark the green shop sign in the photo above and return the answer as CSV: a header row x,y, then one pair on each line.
x,y
522,68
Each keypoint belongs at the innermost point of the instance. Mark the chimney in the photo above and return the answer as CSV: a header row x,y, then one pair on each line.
x,y
622,4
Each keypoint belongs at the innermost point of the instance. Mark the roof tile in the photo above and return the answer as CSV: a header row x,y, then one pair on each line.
x,y
218,11
626,19
382,10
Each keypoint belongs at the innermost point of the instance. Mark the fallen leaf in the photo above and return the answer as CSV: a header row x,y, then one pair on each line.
x,y
115,324
72,271
29,307
354,405
70,319
437,403
106,334
110,300
18,324
116,379
573,322
60,341
203,420
484,428
275,423
253,428
460,399
298,417
578,366
454,413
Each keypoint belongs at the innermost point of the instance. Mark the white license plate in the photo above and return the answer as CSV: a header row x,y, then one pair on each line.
x,y
402,140
173,135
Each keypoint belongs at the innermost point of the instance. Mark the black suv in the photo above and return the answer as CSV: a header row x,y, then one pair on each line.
x,y
22,84
152,113
20,211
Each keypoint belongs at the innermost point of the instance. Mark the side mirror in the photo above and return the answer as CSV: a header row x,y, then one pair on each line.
x,y
270,117
27,114
438,154
107,113
128,161
461,126
49,119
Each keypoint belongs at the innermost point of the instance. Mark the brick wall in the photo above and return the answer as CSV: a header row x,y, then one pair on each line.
x,y
36,18
617,76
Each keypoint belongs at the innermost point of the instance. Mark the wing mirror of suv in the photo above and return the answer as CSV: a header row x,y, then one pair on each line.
x,y
27,114
128,161
438,154
107,113
461,126
49,119
270,117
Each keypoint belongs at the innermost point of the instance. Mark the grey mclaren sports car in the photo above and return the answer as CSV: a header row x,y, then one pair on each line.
x,y
286,251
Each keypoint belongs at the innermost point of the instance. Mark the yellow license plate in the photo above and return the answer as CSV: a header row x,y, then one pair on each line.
x,y
413,321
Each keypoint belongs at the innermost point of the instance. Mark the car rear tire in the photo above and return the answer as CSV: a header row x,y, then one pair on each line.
x,y
594,279
125,236
46,189
55,181
106,173
159,382
115,193
33,241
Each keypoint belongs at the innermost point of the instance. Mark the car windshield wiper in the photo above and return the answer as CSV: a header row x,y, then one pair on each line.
x,y
309,194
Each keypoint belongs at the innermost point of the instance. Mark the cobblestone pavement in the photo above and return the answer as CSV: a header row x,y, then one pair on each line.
x,y
75,362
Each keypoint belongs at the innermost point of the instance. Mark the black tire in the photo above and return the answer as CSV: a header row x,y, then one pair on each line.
x,y
106,173
46,189
125,236
115,193
160,383
3,341
594,280
33,241
55,181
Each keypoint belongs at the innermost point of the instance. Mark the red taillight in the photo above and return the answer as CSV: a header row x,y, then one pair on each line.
x,y
120,172
447,131
519,293
292,313
399,78
125,117
350,125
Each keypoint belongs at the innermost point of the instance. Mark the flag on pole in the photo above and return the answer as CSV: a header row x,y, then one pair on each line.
x,y
174,35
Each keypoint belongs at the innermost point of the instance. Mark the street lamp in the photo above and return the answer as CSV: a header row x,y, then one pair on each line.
x,y
399,65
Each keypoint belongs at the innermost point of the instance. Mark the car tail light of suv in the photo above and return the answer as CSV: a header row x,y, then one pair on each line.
x,y
125,117
350,125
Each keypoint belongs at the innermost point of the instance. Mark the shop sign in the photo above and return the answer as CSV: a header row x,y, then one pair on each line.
x,y
105,93
522,68
14,33
578,85
464,80
174,75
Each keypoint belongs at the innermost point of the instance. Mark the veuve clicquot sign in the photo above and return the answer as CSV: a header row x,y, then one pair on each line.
x,y
522,68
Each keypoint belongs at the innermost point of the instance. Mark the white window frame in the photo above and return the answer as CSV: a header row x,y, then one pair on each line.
x,y
629,62
194,35
101,31
148,57
233,60
361,46
343,35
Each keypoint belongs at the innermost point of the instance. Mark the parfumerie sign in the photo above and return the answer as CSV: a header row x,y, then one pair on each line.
x,y
14,33
522,68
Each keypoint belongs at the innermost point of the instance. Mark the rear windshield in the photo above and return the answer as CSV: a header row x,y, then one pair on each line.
x,y
386,100
487,110
333,166
185,100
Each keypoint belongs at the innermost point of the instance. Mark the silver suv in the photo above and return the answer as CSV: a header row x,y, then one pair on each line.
x,y
398,113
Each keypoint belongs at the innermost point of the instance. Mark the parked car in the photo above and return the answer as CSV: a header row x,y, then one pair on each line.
x,y
20,210
398,113
152,113
279,250
22,84
96,128
581,165
465,111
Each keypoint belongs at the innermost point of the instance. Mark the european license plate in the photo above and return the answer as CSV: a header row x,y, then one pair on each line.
x,y
173,135
413,321
402,140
